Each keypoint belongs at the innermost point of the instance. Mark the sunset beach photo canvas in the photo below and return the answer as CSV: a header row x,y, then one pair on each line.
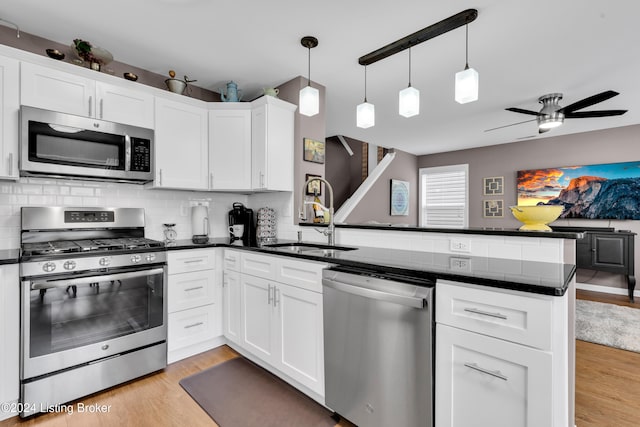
x,y
602,191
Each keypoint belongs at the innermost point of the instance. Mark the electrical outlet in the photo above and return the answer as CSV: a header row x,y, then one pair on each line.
x,y
458,244
459,264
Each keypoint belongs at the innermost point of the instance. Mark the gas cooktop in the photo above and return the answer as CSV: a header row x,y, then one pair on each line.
x,y
71,247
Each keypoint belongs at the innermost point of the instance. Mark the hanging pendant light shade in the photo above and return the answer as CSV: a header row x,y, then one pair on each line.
x,y
365,112
309,100
467,81
409,98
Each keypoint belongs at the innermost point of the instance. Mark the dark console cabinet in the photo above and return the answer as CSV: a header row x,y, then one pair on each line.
x,y
605,249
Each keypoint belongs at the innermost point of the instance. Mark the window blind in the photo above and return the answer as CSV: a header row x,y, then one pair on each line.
x,y
444,196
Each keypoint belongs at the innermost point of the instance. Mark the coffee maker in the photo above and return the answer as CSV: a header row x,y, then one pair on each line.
x,y
242,229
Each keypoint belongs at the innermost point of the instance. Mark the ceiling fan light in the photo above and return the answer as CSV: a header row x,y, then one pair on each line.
x,y
467,83
409,102
550,122
365,115
309,101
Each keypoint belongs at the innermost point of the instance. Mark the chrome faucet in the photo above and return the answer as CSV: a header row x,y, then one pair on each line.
x,y
331,229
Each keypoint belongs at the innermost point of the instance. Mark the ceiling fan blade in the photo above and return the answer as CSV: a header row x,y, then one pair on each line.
x,y
600,113
512,124
586,102
521,111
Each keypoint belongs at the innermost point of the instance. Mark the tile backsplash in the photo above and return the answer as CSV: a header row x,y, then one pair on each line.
x,y
161,206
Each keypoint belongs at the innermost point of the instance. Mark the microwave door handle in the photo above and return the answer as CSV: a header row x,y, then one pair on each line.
x,y
127,153
63,283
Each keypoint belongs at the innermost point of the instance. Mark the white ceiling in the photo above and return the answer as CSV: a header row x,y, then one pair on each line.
x,y
522,50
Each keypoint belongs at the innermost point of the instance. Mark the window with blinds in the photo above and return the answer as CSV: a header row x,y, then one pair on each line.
x,y
444,196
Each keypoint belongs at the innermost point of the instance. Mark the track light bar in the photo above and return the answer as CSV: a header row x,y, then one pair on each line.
x,y
444,26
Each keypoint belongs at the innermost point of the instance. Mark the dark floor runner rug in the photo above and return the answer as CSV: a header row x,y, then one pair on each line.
x,y
238,393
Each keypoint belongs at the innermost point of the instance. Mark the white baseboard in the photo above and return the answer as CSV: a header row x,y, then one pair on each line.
x,y
605,289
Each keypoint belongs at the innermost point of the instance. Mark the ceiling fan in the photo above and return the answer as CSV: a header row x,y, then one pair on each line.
x,y
552,114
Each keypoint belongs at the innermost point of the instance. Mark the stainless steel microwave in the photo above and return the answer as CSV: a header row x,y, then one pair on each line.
x,y
66,146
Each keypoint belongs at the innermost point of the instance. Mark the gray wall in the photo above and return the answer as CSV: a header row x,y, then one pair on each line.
x,y
305,127
35,44
343,171
604,146
376,204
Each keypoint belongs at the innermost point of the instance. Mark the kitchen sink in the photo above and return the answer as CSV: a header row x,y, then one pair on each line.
x,y
309,248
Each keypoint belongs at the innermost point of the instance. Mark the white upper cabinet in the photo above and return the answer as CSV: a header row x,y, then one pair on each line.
x,y
56,90
9,110
272,127
230,146
181,145
123,105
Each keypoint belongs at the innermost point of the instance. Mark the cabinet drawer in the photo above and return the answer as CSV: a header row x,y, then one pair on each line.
x,y
191,327
231,260
189,290
258,265
482,381
522,318
191,260
302,274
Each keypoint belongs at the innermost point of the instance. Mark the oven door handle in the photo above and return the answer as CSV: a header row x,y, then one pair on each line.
x,y
63,283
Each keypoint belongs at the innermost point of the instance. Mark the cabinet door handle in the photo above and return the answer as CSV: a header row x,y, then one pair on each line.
x,y
90,105
10,164
160,176
486,313
496,374
194,288
193,325
211,180
269,298
276,297
101,108
192,261
261,179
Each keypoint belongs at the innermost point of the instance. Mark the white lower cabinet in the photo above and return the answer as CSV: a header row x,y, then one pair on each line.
x,y
9,336
194,313
277,318
231,306
502,358
484,381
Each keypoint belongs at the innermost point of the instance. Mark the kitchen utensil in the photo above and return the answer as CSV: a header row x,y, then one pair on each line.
x,y
55,54
233,93
200,224
169,233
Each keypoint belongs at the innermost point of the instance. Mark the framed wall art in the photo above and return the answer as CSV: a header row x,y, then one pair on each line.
x,y
399,197
493,208
600,191
313,150
493,186
314,187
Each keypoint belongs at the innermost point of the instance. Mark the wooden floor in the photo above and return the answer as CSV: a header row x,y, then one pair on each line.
x,y
607,391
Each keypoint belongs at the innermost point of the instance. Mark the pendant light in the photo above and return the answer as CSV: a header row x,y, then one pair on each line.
x,y
409,98
365,112
309,101
467,81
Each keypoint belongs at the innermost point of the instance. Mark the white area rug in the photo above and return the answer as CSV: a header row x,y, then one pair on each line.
x,y
608,324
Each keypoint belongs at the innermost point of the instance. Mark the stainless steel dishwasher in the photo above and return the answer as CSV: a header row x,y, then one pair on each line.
x,y
378,347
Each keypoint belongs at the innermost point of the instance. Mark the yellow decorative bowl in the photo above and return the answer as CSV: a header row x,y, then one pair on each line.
x,y
536,218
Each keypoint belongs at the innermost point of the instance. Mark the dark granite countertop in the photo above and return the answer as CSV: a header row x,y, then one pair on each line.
x,y
489,231
528,276
9,256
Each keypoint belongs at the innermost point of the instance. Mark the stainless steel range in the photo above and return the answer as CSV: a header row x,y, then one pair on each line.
x,y
93,306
